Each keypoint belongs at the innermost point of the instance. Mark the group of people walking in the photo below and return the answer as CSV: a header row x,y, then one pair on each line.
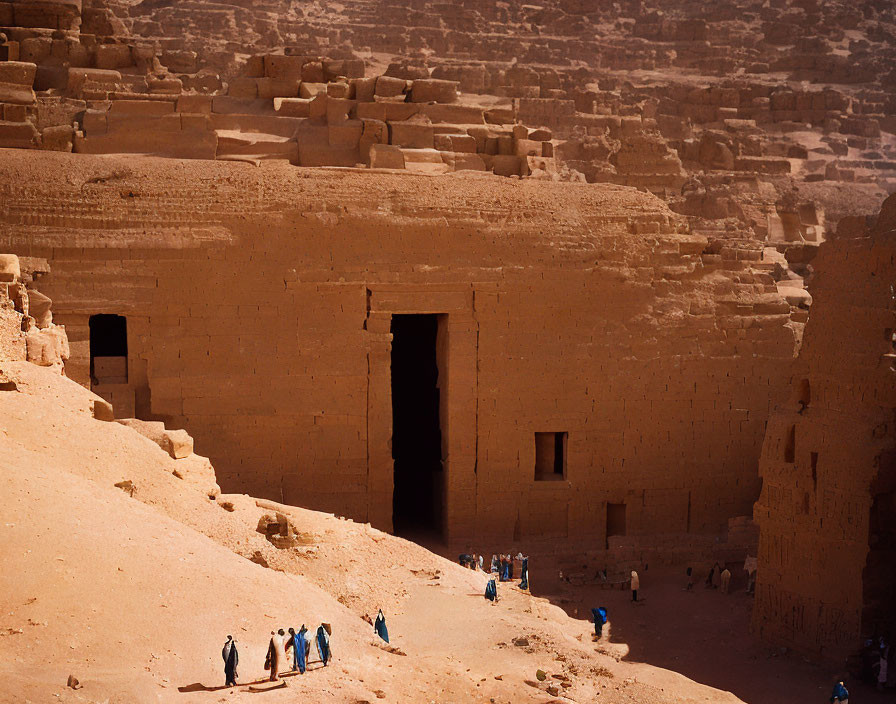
x,y
279,647
501,569
501,565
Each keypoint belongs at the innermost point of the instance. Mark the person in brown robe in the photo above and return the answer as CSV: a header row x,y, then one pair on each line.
x,y
276,654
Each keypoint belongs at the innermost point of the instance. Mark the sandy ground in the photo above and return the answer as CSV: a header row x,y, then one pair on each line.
x,y
705,636
134,595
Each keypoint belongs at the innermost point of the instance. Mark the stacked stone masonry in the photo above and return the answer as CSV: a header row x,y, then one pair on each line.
x,y
259,300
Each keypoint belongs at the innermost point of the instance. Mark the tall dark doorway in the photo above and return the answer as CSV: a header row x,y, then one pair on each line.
x,y
108,349
416,433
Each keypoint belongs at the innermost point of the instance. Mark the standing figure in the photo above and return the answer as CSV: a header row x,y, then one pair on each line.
x,y
725,580
509,567
491,590
275,654
750,566
600,618
494,567
380,626
300,649
524,572
840,695
231,660
636,585
323,644
710,582
883,650
481,562
690,574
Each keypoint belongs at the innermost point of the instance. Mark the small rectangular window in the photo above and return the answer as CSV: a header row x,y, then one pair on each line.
x,y
550,456
616,523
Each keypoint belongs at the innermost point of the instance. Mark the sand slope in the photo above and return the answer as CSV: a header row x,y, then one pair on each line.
x,y
134,595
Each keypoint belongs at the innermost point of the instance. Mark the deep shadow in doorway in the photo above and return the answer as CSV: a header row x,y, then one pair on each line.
x,y
416,432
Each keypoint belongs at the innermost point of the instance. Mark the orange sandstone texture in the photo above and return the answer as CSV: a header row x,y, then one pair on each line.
x,y
259,303
827,549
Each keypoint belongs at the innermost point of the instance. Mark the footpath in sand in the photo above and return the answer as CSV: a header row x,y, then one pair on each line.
x,y
133,595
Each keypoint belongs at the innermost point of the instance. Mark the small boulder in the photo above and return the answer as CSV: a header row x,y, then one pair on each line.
x,y
102,409
177,443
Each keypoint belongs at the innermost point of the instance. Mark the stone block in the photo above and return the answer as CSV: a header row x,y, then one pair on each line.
x,y
312,90
17,72
194,104
527,147
18,135
177,443
339,90
14,113
47,348
269,88
338,110
78,77
16,81
293,107
431,90
57,139
313,72
506,165
102,409
388,87
244,88
94,122
365,89
427,161
384,156
198,472
411,135
288,67
345,134
353,68
469,162
455,143
190,121
39,309
142,108
453,114
113,56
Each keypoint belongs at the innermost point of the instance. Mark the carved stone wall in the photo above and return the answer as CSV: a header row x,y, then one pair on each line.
x,y
258,305
828,465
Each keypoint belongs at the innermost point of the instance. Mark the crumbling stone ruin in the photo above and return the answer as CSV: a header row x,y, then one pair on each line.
x,y
27,331
827,548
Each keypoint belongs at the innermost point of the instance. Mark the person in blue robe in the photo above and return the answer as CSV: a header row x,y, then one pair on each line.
x,y
231,660
524,574
323,644
380,626
840,695
299,649
600,618
491,590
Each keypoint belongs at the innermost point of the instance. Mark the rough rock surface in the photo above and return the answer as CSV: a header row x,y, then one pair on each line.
x,y
827,546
